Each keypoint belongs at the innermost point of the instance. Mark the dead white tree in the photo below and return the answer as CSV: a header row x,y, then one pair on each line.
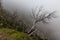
x,y
43,17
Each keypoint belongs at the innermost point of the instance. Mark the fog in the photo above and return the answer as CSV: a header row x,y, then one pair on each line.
x,y
24,8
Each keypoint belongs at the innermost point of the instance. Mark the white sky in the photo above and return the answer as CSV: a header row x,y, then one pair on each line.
x,y
48,4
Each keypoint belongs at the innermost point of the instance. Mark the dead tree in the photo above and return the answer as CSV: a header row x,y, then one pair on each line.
x,y
43,17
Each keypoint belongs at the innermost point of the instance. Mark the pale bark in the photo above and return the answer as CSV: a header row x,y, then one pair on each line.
x,y
39,18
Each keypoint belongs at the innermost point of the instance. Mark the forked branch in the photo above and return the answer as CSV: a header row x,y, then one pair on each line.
x,y
38,18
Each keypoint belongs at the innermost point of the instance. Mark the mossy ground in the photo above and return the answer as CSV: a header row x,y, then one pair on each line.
x,y
14,34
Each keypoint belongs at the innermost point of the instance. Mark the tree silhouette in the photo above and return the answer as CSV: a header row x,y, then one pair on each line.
x,y
44,17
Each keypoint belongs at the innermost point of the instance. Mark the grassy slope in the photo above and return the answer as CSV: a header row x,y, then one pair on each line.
x,y
6,22
12,34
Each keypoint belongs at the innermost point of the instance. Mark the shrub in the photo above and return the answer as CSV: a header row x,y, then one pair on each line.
x,y
10,33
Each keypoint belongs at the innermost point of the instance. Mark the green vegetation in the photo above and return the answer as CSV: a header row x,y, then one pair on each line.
x,y
8,20
9,34
13,28
14,34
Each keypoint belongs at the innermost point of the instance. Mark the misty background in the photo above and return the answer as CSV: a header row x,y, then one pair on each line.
x,y
24,8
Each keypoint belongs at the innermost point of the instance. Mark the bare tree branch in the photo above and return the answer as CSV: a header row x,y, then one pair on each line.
x,y
33,12
40,9
38,18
